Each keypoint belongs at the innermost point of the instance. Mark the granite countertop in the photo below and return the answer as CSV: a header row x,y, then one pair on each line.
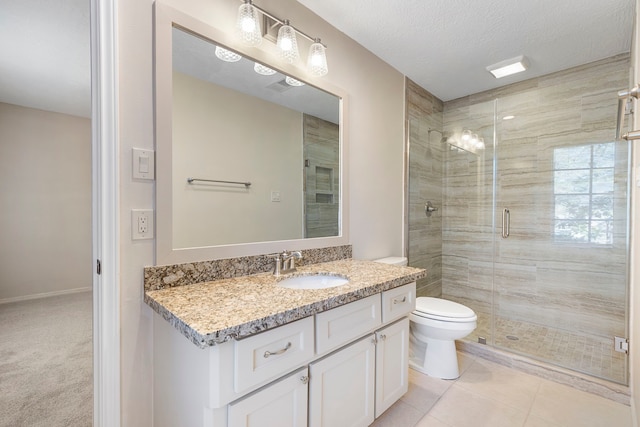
x,y
213,312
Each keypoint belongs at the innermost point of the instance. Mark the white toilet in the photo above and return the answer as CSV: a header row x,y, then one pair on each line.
x,y
435,325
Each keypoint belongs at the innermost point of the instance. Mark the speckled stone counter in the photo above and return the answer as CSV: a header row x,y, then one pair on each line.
x,y
217,311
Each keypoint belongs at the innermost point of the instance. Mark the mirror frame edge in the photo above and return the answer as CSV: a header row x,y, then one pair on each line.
x,y
164,20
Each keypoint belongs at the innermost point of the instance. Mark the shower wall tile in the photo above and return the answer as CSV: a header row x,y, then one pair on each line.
x,y
577,287
426,154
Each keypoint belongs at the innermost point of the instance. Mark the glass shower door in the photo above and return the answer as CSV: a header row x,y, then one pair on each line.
x,y
468,220
560,275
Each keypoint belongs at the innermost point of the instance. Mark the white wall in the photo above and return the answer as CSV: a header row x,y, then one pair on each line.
x,y
223,134
374,130
45,203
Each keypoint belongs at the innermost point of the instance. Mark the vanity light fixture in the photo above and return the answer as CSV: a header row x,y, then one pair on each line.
x,y
227,55
508,67
469,142
288,43
248,26
262,69
293,82
317,61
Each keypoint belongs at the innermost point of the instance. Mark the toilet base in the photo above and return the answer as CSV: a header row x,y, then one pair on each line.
x,y
436,358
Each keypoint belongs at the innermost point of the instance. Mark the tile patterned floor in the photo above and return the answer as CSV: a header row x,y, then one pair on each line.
x,y
488,394
589,354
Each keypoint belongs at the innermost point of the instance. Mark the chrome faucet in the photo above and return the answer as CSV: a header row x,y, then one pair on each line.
x,y
285,262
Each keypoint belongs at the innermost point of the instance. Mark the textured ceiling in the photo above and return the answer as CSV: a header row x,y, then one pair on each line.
x,y
446,45
45,59
443,45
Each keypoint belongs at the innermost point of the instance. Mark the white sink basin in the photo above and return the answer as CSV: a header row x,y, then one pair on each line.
x,y
314,281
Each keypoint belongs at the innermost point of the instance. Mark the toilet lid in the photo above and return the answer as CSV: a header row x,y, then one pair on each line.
x,y
442,308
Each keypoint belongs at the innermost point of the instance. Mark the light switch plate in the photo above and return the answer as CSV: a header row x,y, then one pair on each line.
x,y
143,164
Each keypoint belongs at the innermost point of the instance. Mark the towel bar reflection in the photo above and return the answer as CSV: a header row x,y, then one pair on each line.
x,y
191,180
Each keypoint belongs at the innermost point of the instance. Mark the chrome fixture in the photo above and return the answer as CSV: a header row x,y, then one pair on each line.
x,y
191,180
506,223
285,262
625,104
250,33
429,209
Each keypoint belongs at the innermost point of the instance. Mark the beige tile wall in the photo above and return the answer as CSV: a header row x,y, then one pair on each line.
x,y
322,195
424,112
578,287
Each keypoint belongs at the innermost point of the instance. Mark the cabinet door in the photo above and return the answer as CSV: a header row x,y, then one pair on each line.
x,y
341,387
281,404
392,364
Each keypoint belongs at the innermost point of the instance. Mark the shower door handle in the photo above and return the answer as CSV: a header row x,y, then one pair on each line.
x,y
506,222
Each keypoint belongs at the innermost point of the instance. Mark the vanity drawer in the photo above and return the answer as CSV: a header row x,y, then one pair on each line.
x,y
270,354
398,302
341,325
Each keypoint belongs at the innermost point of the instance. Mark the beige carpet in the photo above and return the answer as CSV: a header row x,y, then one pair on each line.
x,y
46,372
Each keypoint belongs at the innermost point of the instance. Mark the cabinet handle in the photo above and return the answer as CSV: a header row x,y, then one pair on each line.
x,y
275,353
397,301
304,379
383,337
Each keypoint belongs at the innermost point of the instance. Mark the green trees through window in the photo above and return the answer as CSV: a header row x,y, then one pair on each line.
x,y
583,184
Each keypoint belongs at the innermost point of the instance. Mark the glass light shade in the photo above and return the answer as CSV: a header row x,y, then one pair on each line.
x,y
466,135
248,24
474,139
480,144
293,82
288,43
317,62
227,55
264,70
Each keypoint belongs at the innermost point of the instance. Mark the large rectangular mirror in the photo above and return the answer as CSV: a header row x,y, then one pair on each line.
x,y
249,158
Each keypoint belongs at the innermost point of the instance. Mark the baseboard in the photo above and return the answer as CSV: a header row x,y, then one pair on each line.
x,y
45,295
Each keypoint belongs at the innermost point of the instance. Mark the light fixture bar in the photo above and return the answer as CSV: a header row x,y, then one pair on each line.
x,y
508,67
282,22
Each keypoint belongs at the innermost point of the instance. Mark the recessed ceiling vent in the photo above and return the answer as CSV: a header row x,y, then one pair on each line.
x,y
280,86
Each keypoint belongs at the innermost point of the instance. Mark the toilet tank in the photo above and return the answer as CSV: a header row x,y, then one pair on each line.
x,y
393,260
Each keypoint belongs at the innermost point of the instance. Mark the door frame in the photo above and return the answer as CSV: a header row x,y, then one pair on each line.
x,y
104,217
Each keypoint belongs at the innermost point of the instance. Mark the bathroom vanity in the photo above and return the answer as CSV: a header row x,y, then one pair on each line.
x,y
244,351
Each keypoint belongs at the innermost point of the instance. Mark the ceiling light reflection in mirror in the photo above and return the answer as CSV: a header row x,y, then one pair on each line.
x,y
235,121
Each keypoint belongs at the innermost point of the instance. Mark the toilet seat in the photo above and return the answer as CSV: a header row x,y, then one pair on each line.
x,y
443,310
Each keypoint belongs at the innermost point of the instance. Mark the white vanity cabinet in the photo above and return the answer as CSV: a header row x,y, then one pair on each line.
x,y
356,384
342,386
392,364
283,403
340,367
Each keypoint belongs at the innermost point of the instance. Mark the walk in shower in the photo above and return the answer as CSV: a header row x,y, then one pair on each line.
x,y
531,229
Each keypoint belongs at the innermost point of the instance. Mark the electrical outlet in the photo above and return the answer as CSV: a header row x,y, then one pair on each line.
x,y
141,224
275,196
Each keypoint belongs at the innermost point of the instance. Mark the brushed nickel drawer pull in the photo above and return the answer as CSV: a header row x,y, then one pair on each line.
x,y
275,353
397,301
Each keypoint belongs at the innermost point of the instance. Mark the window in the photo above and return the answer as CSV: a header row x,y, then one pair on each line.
x,y
583,193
